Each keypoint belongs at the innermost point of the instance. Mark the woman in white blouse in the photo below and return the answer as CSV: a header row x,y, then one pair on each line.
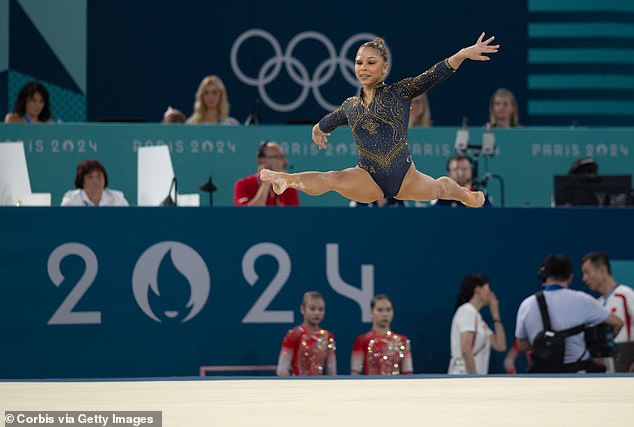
x,y
92,182
471,338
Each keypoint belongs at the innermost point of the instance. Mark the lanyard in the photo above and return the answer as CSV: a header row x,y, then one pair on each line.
x,y
552,287
605,301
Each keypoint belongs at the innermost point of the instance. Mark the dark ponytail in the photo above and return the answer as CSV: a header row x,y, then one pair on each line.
x,y
467,287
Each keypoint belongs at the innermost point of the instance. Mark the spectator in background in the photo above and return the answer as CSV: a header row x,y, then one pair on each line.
x,y
173,116
211,105
503,111
308,349
381,351
31,106
584,166
419,112
91,182
471,339
619,299
566,309
460,169
251,191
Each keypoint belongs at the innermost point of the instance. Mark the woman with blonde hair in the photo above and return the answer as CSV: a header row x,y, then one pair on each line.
x,y
211,105
419,112
503,109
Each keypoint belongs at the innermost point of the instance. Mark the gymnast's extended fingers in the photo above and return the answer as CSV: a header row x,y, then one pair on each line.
x,y
320,140
487,41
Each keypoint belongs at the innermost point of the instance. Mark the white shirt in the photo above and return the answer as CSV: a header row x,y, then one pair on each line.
x,y
620,301
468,319
80,198
566,308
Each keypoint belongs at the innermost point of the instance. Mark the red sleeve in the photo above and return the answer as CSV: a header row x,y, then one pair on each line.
x,y
244,190
357,356
290,197
290,339
360,344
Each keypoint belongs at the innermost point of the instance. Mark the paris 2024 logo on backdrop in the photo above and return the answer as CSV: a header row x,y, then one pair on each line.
x,y
184,267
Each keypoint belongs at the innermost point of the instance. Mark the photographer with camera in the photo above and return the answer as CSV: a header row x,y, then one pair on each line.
x,y
555,334
619,299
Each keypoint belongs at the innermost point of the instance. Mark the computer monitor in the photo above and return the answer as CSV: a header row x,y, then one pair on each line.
x,y
593,190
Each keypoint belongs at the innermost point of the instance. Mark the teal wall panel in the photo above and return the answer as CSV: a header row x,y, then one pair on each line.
x,y
525,162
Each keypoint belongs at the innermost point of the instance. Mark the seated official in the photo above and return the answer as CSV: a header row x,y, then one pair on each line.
x,y
250,191
91,182
460,169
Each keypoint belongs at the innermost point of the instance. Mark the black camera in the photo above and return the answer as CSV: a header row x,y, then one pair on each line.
x,y
600,340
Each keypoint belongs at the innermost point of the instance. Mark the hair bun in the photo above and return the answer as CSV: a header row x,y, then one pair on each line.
x,y
379,44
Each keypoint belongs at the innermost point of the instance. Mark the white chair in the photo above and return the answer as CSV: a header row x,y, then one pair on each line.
x,y
155,177
15,185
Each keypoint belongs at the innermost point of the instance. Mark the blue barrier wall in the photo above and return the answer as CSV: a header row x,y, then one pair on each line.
x,y
93,293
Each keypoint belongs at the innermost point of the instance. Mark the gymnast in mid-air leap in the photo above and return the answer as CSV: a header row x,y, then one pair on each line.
x,y
378,118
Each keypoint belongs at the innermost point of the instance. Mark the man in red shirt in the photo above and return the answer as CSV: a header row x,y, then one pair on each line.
x,y
250,191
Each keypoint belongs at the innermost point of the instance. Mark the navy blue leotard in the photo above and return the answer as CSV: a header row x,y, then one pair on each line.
x,y
380,129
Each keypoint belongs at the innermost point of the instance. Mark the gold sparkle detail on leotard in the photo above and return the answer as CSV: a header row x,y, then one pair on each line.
x,y
370,126
385,160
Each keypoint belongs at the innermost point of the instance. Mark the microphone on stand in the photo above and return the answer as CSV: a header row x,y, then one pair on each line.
x,y
482,183
169,200
254,116
209,187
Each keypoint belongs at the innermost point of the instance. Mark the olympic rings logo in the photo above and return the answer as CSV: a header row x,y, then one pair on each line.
x,y
271,69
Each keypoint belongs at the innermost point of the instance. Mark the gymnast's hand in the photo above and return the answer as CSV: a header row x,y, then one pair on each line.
x,y
477,52
494,305
319,137
480,48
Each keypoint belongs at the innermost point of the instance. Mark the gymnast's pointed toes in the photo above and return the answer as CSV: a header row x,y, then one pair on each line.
x,y
267,175
478,199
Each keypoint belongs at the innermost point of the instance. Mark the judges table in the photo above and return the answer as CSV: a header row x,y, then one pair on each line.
x,y
520,171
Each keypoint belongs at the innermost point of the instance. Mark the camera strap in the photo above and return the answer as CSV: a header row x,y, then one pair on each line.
x,y
543,309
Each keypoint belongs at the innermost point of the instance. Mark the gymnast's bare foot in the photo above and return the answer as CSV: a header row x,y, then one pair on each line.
x,y
279,183
475,199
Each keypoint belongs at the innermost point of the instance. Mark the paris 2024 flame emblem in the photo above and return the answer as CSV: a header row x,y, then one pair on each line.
x,y
171,288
